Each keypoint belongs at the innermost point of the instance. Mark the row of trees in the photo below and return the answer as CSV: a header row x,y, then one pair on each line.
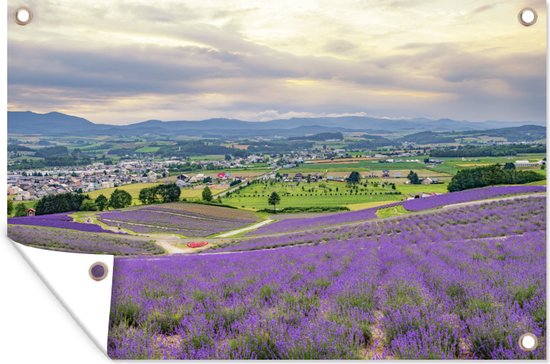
x,y
491,175
160,194
66,202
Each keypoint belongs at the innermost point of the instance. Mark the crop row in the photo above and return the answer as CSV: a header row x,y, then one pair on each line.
x,y
169,219
81,242
61,221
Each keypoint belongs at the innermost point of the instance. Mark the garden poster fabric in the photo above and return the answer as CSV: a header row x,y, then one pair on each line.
x,y
313,180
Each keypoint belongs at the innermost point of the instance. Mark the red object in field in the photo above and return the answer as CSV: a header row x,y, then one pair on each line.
x,y
197,244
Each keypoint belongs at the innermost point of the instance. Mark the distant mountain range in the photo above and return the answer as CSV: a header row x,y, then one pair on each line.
x,y
56,123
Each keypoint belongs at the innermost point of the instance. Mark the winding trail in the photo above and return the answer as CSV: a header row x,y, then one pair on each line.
x,y
172,244
245,229
168,243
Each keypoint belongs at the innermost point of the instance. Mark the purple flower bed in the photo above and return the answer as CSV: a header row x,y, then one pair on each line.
x,y
155,219
313,222
420,204
69,240
443,225
411,205
445,290
62,221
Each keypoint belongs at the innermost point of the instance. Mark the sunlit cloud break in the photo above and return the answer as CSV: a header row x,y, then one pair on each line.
x,y
121,62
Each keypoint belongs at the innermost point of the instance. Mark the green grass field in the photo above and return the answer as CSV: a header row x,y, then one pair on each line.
x,y
293,194
212,157
407,189
148,150
134,189
391,211
360,165
453,165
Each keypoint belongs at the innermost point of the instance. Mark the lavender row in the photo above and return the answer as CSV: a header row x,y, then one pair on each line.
x,y
81,242
294,224
62,221
468,195
149,220
529,215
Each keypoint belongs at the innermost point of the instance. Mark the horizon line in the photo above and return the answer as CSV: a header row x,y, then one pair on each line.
x,y
351,115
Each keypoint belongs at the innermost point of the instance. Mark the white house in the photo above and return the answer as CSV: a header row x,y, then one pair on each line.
x,y
525,163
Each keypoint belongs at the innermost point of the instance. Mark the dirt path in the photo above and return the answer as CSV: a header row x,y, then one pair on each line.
x,y
169,242
375,349
248,228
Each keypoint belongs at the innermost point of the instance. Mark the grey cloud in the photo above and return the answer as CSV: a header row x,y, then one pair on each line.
x,y
340,46
251,76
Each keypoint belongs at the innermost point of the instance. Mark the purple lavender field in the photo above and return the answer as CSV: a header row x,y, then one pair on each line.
x,y
77,241
468,195
418,227
179,218
411,205
61,221
455,284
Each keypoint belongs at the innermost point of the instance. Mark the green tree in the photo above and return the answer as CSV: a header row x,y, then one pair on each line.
x,y
274,199
168,192
413,178
148,196
20,210
207,194
354,178
490,175
102,202
88,205
509,166
120,199
10,207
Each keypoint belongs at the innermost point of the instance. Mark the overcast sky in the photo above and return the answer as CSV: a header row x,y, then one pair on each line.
x,y
118,62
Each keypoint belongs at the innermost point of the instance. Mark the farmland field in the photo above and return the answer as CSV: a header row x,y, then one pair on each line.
x,y
178,218
312,194
134,188
61,220
455,284
75,241
407,189
453,165
362,165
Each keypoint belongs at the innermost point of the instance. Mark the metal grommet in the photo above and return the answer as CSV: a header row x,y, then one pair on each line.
x,y
528,342
23,15
527,17
98,271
